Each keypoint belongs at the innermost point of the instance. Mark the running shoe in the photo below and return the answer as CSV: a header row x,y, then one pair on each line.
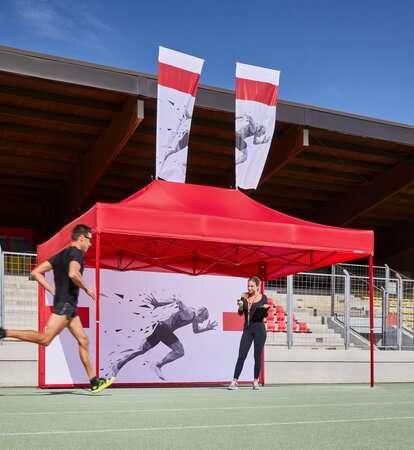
x,y
102,384
233,386
255,386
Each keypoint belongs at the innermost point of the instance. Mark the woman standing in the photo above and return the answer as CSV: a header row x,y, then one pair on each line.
x,y
254,306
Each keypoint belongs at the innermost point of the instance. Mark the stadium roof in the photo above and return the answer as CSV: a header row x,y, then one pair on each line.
x,y
74,133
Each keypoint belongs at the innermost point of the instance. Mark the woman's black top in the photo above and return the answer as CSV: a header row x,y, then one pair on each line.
x,y
257,312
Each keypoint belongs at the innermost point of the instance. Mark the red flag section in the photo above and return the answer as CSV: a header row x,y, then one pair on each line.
x,y
179,79
256,91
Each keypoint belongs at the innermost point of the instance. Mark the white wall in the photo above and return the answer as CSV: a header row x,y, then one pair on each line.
x,y
18,366
297,365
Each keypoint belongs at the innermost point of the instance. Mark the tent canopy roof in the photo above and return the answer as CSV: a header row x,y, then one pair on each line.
x,y
193,229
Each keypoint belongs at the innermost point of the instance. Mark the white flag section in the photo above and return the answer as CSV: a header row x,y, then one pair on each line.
x,y
144,316
256,100
178,76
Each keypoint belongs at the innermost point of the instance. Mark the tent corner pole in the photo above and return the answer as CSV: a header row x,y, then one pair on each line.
x,y
97,304
371,317
263,277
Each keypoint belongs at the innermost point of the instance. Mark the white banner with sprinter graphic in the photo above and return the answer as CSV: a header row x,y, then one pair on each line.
x,y
256,100
178,76
157,328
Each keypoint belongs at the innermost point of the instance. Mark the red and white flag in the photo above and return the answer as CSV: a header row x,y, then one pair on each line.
x,y
256,100
178,76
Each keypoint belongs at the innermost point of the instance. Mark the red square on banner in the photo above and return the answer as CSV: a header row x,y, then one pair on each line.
x,y
83,313
232,321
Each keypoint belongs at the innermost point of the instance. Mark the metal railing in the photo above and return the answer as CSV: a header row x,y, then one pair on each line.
x,y
336,308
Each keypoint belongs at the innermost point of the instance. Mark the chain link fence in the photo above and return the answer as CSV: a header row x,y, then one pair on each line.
x,y
331,310
19,303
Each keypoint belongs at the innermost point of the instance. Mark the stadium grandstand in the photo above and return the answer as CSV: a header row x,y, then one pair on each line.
x,y
74,133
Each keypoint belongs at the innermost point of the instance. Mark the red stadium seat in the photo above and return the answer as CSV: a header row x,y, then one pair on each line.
x,y
271,309
280,317
281,326
270,325
279,309
303,328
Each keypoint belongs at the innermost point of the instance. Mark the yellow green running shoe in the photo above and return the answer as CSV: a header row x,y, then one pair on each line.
x,y
102,384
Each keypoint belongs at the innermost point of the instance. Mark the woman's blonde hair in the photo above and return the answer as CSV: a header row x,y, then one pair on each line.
x,y
256,280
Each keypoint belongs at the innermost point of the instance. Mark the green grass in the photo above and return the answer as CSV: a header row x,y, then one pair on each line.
x,y
290,417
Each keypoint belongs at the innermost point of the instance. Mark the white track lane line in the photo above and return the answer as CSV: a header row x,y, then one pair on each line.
x,y
218,408
209,427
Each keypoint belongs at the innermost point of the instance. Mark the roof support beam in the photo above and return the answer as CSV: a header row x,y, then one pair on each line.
x,y
283,151
349,206
99,157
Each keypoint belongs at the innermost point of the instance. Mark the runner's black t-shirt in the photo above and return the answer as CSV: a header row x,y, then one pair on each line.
x,y
66,289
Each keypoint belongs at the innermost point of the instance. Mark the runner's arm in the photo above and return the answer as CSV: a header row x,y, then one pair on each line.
x,y
38,274
75,275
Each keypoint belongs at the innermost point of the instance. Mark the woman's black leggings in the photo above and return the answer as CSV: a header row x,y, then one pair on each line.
x,y
254,332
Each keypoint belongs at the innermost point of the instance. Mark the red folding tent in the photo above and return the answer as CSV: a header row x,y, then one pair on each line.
x,y
201,230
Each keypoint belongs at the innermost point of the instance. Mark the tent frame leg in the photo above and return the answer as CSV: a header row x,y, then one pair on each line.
x,y
262,289
97,304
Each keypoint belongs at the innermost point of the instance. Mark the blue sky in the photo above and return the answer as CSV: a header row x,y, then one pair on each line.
x,y
351,56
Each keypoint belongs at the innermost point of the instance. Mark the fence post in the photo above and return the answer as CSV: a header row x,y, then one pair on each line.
x,y
399,310
289,303
413,310
386,303
333,288
384,317
1,288
347,295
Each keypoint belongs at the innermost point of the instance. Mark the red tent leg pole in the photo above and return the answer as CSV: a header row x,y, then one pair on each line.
x,y
98,289
371,317
262,289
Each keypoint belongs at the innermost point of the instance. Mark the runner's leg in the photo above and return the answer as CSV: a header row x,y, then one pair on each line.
x,y
54,326
75,327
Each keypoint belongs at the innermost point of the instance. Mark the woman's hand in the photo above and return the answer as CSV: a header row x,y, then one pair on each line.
x,y
240,304
267,306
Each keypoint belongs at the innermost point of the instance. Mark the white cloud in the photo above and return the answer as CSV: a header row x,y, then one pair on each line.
x,y
72,21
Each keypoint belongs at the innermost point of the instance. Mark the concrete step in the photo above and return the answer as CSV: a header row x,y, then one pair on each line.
x,y
306,337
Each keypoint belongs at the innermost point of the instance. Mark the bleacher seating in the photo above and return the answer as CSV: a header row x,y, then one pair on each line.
x,y
276,315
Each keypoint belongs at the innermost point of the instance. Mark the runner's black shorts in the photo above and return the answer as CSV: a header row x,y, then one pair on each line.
x,y
162,334
65,309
